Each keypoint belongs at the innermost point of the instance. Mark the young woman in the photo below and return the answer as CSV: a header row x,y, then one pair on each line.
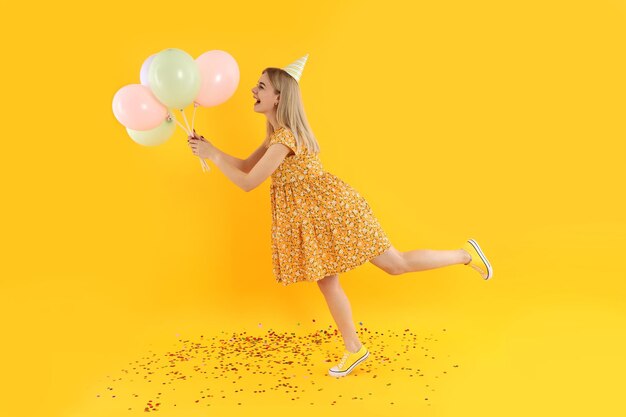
x,y
321,226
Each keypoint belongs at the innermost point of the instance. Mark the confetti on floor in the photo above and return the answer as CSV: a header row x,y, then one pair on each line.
x,y
240,368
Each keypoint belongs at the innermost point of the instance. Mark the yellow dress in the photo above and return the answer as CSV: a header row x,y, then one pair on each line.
x,y
320,224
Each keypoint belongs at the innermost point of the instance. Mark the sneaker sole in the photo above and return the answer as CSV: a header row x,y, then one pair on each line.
x,y
347,371
483,257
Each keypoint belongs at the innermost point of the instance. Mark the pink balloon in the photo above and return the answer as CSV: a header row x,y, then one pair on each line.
x,y
219,74
136,107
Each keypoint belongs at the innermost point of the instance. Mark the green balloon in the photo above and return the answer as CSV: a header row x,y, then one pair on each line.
x,y
156,136
174,78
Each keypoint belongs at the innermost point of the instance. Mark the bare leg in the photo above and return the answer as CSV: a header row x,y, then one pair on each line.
x,y
395,262
423,259
341,311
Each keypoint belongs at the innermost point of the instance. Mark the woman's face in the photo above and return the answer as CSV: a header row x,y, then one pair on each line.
x,y
264,92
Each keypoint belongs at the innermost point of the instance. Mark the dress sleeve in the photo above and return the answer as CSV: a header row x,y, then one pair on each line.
x,y
285,137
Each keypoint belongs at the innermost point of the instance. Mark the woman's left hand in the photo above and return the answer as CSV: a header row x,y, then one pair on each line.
x,y
200,146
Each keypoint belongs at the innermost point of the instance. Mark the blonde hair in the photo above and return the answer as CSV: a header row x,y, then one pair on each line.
x,y
290,110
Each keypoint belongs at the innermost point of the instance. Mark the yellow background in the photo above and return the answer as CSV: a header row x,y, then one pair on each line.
x,y
494,120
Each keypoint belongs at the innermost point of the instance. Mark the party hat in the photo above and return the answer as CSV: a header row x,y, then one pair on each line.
x,y
295,68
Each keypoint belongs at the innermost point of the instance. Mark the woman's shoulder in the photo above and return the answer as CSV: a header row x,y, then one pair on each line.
x,y
285,136
272,136
282,134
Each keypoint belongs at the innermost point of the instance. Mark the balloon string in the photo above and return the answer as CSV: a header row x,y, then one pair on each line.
x,y
193,119
203,164
178,123
186,122
181,126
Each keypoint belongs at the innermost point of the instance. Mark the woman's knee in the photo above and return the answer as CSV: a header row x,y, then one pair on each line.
x,y
392,261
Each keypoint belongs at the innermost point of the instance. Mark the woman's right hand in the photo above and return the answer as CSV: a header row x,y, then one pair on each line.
x,y
205,149
195,135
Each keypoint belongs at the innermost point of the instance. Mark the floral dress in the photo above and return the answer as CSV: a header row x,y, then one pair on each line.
x,y
320,224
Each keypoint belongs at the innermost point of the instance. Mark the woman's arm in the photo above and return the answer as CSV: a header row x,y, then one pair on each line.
x,y
244,165
234,168
240,164
236,175
256,156
259,173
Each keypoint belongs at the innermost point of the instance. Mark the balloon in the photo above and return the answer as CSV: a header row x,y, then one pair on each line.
x,y
156,136
137,108
219,74
145,68
174,78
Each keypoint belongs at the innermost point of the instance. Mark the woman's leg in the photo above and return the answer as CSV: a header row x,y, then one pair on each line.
x,y
340,309
395,262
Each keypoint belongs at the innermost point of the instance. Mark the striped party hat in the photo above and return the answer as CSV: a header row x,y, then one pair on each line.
x,y
295,68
